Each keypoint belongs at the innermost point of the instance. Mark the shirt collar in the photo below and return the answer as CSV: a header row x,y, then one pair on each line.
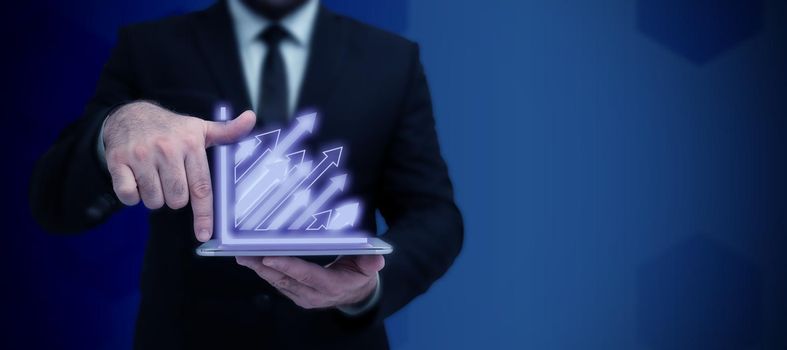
x,y
249,25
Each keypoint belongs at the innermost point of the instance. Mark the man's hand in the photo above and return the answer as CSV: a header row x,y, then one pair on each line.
x,y
159,156
346,281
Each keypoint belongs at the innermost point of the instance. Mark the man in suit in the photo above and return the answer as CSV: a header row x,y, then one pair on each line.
x,y
146,133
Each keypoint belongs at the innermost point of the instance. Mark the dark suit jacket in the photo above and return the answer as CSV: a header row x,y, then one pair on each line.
x,y
371,92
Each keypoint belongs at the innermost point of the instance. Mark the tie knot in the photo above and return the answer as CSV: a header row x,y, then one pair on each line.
x,y
274,34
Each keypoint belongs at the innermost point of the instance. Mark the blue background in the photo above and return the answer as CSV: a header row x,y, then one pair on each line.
x,y
620,165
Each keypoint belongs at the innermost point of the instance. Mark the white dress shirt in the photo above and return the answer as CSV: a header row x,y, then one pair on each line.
x,y
294,49
295,52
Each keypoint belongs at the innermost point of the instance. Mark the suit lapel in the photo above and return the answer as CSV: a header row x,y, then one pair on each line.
x,y
328,46
216,41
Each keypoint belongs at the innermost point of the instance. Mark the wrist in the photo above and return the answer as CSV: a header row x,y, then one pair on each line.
x,y
370,297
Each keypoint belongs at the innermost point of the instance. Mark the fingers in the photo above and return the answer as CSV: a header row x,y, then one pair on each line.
x,y
231,131
370,264
366,265
275,278
299,293
149,186
311,286
300,270
201,191
157,156
174,183
124,185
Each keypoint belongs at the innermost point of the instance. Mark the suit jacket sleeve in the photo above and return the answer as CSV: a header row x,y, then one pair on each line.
x,y
70,189
425,225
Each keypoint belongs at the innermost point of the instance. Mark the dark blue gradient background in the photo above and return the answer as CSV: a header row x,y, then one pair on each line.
x,y
620,165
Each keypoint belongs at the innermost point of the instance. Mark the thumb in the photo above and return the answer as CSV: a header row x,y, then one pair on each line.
x,y
217,133
370,264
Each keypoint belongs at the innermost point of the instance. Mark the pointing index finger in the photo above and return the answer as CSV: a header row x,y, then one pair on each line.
x,y
200,193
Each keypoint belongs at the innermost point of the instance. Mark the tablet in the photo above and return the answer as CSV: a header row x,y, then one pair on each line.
x,y
373,246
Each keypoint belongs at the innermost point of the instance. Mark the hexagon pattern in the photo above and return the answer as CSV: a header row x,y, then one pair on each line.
x,y
699,295
699,30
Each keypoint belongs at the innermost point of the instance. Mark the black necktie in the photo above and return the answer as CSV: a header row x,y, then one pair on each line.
x,y
272,100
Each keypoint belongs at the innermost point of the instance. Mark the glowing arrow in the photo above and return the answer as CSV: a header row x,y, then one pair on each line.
x,y
344,216
321,220
247,198
304,124
330,159
245,149
296,158
274,151
263,145
299,200
336,185
261,213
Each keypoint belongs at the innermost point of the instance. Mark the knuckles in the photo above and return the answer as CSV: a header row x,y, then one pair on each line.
x,y
201,189
282,283
145,130
165,147
306,278
177,197
141,153
191,144
115,157
178,189
151,149
150,193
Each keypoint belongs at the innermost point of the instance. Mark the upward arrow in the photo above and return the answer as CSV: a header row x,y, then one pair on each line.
x,y
344,216
320,221
246,199
244,149
262,212
296,158
261,145
336,185
275,148
330,159
303,124
298,201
